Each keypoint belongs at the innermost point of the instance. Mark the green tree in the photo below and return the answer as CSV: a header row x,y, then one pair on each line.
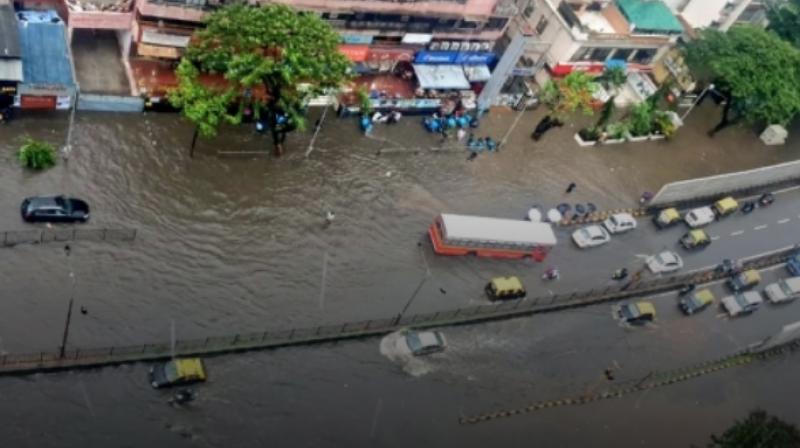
x,y
292,55
36,155
754,69
614,77
758,430
784,19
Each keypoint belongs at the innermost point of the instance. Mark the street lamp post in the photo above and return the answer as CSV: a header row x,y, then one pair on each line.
x,y
697,100
66,330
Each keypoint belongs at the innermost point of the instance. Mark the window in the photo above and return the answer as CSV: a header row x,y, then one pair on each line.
x,y
599,54
496,23
541,26
622,53
468,24
644,55
581,54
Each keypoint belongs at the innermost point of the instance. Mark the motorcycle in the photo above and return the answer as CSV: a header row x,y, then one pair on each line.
x,y
766,199
619,274
551,274
748,207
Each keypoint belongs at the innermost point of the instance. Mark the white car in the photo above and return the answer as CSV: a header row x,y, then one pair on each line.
x,y
783,290
699,217
620,222
742,303
666,261
591,236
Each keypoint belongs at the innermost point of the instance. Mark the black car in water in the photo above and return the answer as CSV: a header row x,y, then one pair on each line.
x,y
54,209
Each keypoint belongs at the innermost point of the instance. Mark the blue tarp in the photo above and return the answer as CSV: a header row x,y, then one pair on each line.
x,y
45,55
618,63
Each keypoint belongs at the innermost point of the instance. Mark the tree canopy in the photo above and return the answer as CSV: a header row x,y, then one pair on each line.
x,y
757,71
272,57
759,429
567,95
784,19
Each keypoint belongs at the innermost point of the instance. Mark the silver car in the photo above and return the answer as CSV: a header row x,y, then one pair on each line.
x,y
425,342
591,236
666,261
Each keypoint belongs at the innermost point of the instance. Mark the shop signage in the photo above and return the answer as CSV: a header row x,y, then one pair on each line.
x,y
8,89
395,54
356,53
455,57
356,39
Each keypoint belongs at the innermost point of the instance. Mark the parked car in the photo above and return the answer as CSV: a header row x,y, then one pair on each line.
x,y
591,236
725,206
637,313
54,209
695,239
744,280
784,290
666,261
696,302
793,264
619,223
177,372
421,343
504,288
699,217
667,218
741,303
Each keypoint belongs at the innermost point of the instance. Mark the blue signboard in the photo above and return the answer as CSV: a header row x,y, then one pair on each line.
x,y
357,39
455,57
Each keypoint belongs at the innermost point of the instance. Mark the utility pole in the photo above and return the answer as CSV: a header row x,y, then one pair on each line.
x,y
66,329
194,141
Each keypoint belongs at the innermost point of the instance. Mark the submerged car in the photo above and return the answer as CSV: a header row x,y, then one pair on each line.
x,y
619,223
666,261
741,303
637,313
177,372
591,236
700,217
425,342
54,209
696,302
784,290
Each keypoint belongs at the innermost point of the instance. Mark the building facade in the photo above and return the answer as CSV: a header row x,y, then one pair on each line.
x,y
720,14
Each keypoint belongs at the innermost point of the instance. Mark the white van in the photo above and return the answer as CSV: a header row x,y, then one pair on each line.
x,y
783,290
699,217
620,222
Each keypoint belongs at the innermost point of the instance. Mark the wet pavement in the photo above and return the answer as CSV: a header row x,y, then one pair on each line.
x,y
234,241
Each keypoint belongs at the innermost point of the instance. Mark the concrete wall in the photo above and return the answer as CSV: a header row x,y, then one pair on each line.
x,y
110,103
715,186
100,20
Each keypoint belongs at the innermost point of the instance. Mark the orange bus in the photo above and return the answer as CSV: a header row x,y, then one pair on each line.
x,y
490,237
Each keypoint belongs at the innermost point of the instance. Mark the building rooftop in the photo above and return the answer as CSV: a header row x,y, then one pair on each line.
x,y
45,56
9,35
650,16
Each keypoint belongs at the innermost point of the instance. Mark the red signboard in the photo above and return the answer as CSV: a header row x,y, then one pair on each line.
x,y
356,53
37,102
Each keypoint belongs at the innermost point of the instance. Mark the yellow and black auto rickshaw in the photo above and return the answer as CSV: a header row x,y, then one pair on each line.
x,y
505,288
695,239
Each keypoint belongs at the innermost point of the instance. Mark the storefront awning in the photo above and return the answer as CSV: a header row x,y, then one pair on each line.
x,y
441,77
356,53
417,38
477,73
164,39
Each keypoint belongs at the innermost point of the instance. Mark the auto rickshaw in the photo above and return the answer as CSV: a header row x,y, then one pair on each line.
x,y
744,280
695,239
505,288
726,206
667,218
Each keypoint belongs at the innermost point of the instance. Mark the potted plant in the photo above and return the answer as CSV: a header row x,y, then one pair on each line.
x,y
663,126
640,122
615,133
588,136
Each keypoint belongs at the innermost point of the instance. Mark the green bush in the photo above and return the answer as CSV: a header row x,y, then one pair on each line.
x,y
617,130
37,155
663,124
641,119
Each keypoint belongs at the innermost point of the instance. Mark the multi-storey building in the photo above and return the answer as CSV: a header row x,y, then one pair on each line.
x,y
720,14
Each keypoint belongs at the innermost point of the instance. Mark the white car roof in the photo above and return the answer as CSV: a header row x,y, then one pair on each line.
x,y
428,338
702,212
668,256
623,217
595,230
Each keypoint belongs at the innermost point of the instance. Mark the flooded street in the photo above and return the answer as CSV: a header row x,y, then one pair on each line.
x,y
232,241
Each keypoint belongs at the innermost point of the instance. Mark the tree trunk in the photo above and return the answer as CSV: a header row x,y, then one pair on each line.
x,y
725,121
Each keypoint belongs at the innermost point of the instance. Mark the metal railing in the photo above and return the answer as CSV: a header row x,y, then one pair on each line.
x,y
12,238
78,358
